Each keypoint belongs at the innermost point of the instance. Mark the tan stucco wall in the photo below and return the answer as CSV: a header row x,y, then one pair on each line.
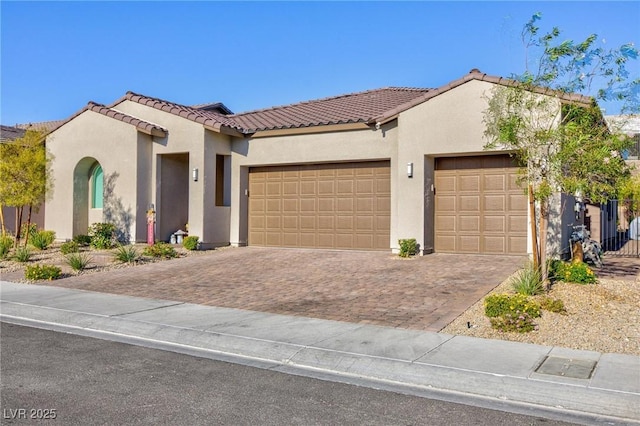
x,y
449,124
352,145
207,221
114,145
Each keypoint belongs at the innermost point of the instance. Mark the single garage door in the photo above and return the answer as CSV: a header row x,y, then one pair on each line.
x,y
341,206
479,208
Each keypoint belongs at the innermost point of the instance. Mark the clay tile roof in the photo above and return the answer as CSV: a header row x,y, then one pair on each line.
x,y
476,74
143,126
359,107
205,117
8,133
43,126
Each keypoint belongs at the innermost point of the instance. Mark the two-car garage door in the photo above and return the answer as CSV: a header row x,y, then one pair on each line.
x,y
340,205
479,208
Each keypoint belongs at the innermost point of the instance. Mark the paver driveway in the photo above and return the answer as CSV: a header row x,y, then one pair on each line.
x,y
364,287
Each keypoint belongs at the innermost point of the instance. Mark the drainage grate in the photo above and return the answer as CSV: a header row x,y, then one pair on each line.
x,y
566,367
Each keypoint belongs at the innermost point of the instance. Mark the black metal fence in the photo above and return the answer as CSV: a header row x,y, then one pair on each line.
x,y
616,227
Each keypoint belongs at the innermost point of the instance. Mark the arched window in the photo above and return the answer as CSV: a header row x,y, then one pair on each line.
x,y
97,187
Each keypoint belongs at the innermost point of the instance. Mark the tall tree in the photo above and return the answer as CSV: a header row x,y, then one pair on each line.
x,y
25,177
548,116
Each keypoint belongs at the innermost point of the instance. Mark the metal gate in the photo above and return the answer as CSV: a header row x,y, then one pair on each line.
x,y
618,227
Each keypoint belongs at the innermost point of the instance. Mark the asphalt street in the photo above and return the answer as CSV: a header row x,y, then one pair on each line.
x,y
49,377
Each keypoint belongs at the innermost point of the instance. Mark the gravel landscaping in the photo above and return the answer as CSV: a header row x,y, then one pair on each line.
x,y
602,317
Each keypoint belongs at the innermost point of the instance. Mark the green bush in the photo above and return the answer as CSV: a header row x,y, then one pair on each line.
x,y
69,247
42,239
78,261
42,272
102,235
126,254
520,322
553,305
6,242
190,242
528,281
160,249
22,254
408,247
82,240
574,272
497,305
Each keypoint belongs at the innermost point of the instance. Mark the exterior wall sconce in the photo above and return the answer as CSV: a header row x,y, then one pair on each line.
x,y
410,170
194,174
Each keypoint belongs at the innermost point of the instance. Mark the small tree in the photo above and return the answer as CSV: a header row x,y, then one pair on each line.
x,y
24,175
548,117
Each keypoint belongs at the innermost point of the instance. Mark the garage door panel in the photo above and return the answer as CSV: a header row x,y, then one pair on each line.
x,y
326,187
344,205
479,208
307,188
495,224
469,224
495,203
517,244
494,245
326,205
469,203
495,182
469,243
468,183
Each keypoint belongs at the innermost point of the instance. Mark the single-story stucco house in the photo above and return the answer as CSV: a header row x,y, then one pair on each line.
x,y
357,171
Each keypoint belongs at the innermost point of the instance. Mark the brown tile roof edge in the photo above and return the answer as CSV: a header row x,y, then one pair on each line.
x,y
476,74
209,119
357,107
141,125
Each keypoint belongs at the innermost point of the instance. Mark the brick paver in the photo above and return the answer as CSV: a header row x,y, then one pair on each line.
x,y
364,287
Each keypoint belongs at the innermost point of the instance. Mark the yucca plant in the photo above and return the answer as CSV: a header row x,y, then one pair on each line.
x,y
528,281
126,254
78,261
22,254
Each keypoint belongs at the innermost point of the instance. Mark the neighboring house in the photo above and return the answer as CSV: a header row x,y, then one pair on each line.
x,y
356,171
8,133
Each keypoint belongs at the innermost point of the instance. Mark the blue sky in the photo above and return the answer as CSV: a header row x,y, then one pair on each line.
x,y
56,56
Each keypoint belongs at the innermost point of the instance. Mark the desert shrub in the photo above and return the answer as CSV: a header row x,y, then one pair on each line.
x,y
42,272
496,305
408,247
190,242
78,261
42,239
22,254
102,235
69,247
126,254
6,242
553,305
160,249
572,272
82,240
528,281
520,322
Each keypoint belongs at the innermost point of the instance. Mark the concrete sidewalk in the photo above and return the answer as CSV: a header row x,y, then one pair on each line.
x,y
591,386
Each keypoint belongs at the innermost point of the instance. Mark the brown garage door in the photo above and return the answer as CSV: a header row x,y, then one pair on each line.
x,y
479,208
342,206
